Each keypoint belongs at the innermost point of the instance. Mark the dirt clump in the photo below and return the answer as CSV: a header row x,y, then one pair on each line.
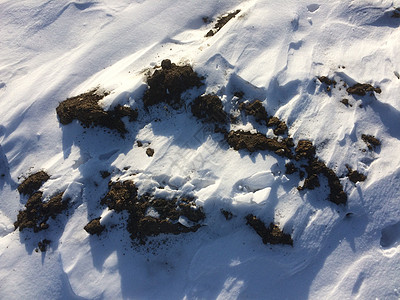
x,y
256,141
305,149
271,234
280,126
355,176
221,22
31,184
94,227
290,168
150,152
37,212
361,89
346,102
87,111
168,83
209,108
396,13
371,141
326,80
151,216
256,109
227,214
42,245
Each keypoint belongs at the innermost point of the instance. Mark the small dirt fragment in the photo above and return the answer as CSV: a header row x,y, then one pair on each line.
x,y
355,176
31,184
290,168
280,126
227,214
361,89
326,80
209,108
105,174
271,234
346,102
94,227
42,245
371,141
221,22
168,83
150,152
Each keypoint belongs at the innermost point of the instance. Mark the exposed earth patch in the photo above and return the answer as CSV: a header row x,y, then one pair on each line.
x,y
209,108
221,22
32,183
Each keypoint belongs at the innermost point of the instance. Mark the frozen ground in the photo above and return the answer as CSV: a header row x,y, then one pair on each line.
x,y
272,51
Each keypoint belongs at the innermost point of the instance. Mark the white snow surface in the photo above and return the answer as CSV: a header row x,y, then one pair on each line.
x,y
272,51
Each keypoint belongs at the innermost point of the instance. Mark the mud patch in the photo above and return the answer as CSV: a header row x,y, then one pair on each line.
x,y
94,227
209,108
221,22
371,141
150,216
271,234
396,13
355,176
31,184
37,212
87,111
290,168
361,89
256,141
168,83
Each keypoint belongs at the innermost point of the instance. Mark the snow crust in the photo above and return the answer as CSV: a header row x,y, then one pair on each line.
x,y
272,51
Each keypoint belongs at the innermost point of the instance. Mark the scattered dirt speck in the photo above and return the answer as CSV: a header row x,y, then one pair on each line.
x,y
355,176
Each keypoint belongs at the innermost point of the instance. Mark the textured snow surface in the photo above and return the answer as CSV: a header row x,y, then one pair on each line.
x,y
272,51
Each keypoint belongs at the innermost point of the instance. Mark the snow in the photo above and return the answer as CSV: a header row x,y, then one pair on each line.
x,y
272,51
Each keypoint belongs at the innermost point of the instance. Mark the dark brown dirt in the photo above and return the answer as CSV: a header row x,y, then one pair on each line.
x,y
305,149
227,214
168,83
346,102
271,235
209,108
87,111
150,152
31,184
123,196
361,89
280,126
255,109
105,174
396,13
326,80
221,22
256,141
37,212
371,141
355,176
94,227
290,168
42,245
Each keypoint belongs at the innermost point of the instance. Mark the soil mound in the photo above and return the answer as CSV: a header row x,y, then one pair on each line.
x,y
280,126
271,234
87,111
256,141
209,108
168,83
361,89
256,109
371,141
149,216
355,176
94,227
37,212
221,22
31,184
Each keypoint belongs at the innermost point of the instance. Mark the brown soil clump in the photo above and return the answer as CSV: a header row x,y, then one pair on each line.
x,y
361,89
31,184
150,152
271,234
290,168
326,80
396,13
165,213
104,174
168,83
256,141
221,22
227,214
305,149
371,141
355,176
280,126
209,108
87,111
42,245
255,109
38,212
346,102
94,227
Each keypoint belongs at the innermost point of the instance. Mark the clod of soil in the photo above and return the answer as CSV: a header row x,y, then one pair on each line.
x,y
280,126
371,141
290,168
149,216
326,80
168,83
150,152
256,141
227,214
87,111
355,176
221,22
105,174
256,109
31,184
396,13
305,149
361,89
271,234
346,102
37,212
209,108
94,227
42,245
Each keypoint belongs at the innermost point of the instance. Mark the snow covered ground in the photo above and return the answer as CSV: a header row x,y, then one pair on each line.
x,y
272,51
